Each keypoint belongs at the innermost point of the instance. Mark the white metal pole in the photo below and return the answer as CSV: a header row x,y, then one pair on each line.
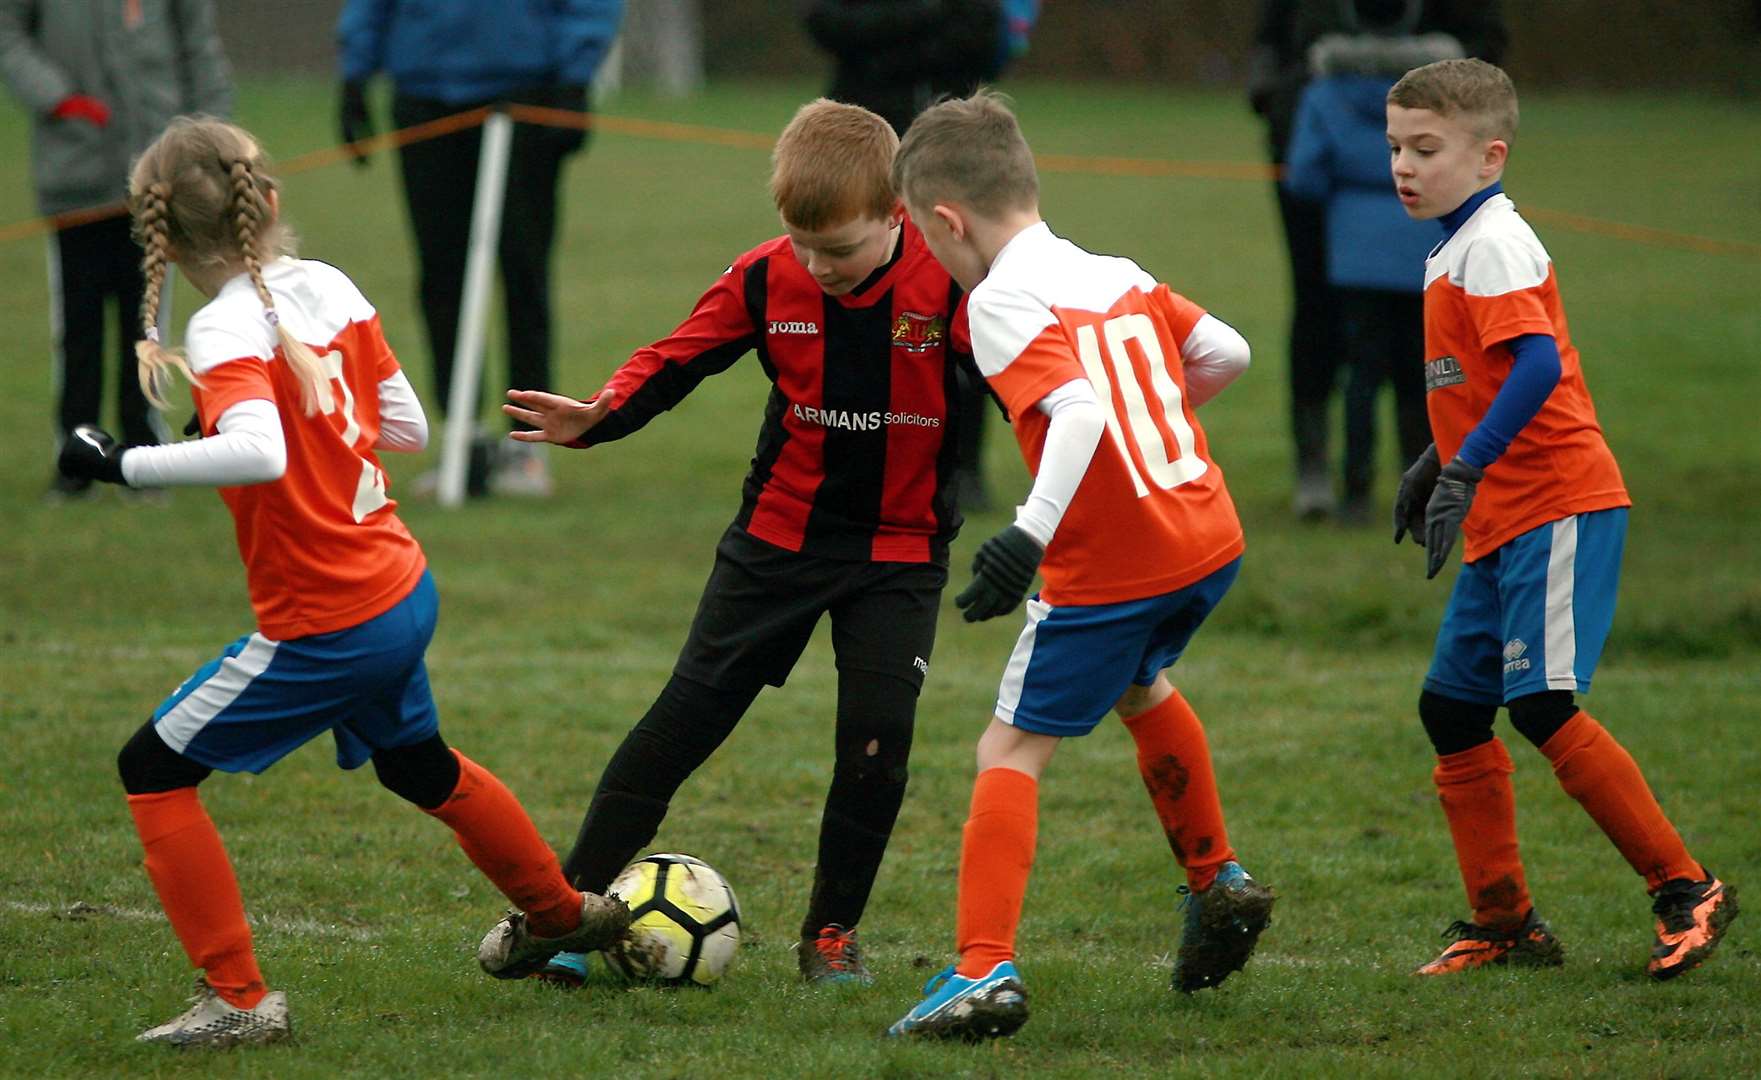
x,y
467,370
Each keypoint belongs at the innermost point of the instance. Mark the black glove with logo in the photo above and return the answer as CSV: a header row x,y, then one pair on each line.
x,y
1416,485
1002,572
353,119
1448,508
91,454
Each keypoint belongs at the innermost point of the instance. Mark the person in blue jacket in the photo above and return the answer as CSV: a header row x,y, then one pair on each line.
x,y
446,57
1338,158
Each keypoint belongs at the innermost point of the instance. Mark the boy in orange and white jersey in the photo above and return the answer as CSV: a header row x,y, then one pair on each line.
x,y
1521,471
295,392
1128,522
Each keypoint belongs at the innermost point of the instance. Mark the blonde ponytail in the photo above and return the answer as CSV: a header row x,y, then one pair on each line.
x,y
250,215
154,361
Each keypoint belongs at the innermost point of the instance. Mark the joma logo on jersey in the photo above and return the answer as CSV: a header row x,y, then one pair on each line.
x,y
918,333
793,327
1514,660
1443,371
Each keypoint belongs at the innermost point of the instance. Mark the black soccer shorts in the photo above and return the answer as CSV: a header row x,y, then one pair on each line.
x,y
762,602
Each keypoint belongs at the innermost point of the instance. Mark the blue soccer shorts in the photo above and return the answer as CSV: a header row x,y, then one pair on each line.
x,y
1533,615
260,700
1072,664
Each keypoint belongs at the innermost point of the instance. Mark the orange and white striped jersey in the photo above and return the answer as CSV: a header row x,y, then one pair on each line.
x,y
322,546
1151,514
1488,283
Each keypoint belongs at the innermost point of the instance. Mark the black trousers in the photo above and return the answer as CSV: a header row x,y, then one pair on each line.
x,y
1315,352
91,266
440,183
1384,341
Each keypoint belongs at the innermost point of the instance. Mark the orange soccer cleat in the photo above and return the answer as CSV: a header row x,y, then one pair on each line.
x,y
1528,944
1691,917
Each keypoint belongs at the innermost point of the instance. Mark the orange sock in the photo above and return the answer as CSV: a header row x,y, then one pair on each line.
x,y
996,854
1596,770
190,871
1474,788
501,840
1175,761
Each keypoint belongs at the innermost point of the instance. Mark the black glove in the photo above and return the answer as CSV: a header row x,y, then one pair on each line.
x,y
1416,484
1446,511
1002,572
355,122
91,454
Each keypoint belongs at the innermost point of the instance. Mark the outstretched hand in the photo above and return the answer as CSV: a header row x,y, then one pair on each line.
x,y
558,419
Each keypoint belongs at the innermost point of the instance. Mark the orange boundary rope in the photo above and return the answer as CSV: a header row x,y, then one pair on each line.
x,y
667,131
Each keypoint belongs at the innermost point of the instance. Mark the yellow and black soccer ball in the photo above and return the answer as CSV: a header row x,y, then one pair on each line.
x,y
684,921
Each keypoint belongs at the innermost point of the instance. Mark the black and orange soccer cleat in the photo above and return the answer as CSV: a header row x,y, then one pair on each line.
x,y
1691,917
1530,944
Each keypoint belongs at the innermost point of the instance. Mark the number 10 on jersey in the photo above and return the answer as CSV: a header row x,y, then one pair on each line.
x,y
1167,466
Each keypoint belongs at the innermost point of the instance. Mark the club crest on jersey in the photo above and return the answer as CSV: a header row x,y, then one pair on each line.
x,y
1443,371
918,333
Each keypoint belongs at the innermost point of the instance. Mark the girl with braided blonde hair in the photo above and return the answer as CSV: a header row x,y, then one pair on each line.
x,y
203,188
295,391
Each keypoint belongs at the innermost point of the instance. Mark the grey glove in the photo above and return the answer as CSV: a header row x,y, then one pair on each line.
x,y
1416,484
1448,508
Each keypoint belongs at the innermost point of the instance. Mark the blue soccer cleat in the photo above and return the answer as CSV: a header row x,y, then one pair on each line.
x,y
1222,925
991,1006
565,970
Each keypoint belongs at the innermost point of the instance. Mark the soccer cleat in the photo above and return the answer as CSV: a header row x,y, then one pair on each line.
x,y
565,970
212,1021
521,469
991,1006
1691,917
511,951
833,957
1223,924
1528,944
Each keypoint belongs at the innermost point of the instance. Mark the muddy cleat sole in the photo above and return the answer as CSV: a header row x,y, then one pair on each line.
x,y
833,958
511,951
1222,926
1529,944
992,1006
213,1021
1691,918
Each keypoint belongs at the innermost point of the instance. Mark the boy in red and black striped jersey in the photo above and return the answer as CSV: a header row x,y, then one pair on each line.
x,y
848,508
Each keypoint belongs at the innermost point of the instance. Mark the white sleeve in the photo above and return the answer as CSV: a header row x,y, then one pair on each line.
x,y
402,424
1077,422
1212,356
247,448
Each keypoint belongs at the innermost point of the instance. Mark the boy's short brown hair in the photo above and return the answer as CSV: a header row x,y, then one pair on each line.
x,y
968,150
1478,93
833,163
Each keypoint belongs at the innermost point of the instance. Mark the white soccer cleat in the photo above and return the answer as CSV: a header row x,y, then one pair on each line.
x,y
212,1021
511,951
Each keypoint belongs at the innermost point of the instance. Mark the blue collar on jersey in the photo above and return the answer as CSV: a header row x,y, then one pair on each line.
x,y
1456,218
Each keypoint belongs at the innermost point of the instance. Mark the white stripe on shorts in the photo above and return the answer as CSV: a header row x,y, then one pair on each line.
x,y
1015,674
188,717
1561,633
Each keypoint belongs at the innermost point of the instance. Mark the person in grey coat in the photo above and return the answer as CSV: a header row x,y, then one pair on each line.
x,y
101,79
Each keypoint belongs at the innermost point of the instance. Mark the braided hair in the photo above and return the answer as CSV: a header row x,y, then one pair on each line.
x,y
202,189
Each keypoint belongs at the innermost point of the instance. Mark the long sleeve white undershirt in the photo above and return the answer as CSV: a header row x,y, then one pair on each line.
x,y
1212,357
249,446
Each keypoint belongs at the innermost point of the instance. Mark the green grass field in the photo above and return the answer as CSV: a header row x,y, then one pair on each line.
x,y
562,618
